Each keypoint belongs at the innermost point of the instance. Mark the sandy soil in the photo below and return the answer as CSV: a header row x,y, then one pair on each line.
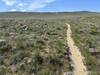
x,y
77,58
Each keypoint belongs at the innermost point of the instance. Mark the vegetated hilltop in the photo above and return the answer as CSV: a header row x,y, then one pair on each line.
x,y
33,47
86,33
45,15
35,43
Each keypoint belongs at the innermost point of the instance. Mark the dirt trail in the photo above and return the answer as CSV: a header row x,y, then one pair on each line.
x,y
79,67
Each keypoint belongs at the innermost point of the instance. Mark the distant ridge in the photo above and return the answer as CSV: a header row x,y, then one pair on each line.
x,y
52,12
40,15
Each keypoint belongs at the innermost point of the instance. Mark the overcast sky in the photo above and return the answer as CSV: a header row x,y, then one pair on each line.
x,y
49,5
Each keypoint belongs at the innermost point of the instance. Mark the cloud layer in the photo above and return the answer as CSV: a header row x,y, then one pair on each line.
x,y
25,5
9,2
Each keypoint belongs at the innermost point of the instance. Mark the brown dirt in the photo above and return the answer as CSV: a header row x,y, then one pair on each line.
x,y
77,58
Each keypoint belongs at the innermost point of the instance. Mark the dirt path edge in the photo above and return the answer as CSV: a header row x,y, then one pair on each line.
x,y
77,58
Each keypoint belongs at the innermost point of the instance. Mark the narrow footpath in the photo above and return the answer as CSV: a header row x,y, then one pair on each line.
x,y
77,58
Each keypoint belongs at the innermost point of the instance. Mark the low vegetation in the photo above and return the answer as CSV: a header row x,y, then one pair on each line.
x,y
32,47
35,43
86,33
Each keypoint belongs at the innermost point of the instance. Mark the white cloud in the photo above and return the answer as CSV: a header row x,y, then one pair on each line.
x,y
37,4
9,2
40,4
22,10
32,5
22,4
48,1
13,10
